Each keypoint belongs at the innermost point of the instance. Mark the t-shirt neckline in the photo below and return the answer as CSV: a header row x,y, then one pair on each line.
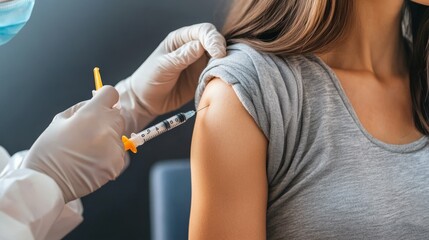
x,y
398,148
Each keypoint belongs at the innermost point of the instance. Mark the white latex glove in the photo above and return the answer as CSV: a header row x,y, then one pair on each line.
x,y
4,158
168,78
81,149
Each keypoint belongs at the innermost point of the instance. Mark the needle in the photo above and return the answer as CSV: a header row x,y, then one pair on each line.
x,y
202,108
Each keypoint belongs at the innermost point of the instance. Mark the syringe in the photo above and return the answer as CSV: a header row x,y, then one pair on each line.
x,y
149,133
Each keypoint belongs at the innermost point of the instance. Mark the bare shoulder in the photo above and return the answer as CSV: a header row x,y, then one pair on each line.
x,y
225,120
223,105
220,94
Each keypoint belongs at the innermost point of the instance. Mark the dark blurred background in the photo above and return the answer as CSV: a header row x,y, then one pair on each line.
x,y
48,68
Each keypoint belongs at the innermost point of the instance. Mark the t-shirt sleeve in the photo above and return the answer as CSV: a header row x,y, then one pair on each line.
x,y
237,69
268,90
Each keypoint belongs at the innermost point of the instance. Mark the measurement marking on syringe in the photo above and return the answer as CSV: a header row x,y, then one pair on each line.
x,y
160,128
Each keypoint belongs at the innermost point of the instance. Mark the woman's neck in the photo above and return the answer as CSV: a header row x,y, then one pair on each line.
x,y
373,41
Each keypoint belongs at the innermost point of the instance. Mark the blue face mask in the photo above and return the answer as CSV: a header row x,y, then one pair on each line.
x,y
13,16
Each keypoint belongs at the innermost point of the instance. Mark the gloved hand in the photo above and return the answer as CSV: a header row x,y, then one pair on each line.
x,y
81,149
168,78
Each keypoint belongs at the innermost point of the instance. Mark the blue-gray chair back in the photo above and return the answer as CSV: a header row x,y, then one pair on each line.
x,y
170,199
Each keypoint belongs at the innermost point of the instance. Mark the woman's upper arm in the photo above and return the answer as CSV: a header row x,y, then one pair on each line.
x,y
228,166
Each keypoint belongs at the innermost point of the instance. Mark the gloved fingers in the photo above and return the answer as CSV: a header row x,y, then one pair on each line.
x,y
206,33
106,96
126,161
69,112
117,149
114,121
182,57
117,105
118,165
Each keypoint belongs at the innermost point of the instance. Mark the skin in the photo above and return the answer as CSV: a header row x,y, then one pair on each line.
x,y
228,154
229,182
422,2
370,64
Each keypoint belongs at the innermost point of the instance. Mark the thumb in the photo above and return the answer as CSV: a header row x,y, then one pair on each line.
x,y
106,96
184,56
70,111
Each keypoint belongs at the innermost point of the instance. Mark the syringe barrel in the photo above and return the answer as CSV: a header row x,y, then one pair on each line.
x,y
161,127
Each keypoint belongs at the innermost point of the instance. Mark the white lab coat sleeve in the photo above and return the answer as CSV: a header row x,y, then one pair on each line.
x,y
71,215
70,218
30,203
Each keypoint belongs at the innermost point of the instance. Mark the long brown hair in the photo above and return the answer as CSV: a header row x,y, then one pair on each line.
x,y
419,69
290,27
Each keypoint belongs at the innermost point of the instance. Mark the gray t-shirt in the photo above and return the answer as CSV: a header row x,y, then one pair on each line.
x,y
328,177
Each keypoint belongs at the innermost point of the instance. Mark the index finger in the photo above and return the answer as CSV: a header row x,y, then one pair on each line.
x,y
212,41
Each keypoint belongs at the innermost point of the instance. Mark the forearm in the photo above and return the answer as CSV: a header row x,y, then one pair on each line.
x,y
69,219
71,214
